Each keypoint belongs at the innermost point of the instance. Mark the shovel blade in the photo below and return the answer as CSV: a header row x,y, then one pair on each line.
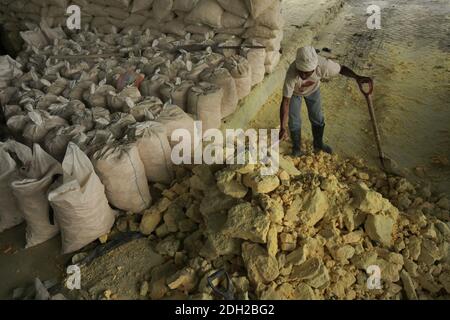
x,y
392,167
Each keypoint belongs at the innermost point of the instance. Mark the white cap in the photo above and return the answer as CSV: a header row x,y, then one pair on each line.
x,y
307,59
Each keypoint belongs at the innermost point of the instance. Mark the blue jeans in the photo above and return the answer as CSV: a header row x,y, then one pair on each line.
x,y
314,105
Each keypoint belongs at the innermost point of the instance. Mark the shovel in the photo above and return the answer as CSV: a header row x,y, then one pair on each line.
x,y
226,293
389,166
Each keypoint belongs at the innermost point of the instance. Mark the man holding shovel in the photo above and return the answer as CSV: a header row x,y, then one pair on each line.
x,y
303,81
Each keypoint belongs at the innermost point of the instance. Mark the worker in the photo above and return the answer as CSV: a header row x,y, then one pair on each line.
x,y
303,81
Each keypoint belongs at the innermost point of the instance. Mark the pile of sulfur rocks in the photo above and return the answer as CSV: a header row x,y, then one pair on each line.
x,y
322,228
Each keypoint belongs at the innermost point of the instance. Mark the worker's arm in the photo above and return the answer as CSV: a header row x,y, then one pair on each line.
x,y
346,71
284,116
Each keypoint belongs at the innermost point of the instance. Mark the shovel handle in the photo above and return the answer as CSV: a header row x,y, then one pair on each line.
x,y
376,131
367,91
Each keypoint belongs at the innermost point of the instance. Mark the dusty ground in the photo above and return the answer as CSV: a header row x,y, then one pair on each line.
x,y
19,267
120,270
409,60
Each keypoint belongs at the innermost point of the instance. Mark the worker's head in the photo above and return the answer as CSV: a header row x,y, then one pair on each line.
x,y
306,61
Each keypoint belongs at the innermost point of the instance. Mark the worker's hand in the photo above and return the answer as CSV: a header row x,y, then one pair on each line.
x,y
283,134
365,80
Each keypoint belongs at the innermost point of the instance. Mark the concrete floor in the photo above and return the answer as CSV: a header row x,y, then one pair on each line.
x,y
409,60
19,266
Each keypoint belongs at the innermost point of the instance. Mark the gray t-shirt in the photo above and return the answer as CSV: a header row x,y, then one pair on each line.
x,y
294,85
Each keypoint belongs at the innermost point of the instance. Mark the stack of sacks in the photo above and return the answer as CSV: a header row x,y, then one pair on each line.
x,y
94,102
257,20
116,109
9,69
33,183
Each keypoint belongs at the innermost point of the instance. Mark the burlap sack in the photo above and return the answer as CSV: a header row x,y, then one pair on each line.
x,y
173,118
205,101
31,189
154,150
80,205
10,213
122,172
221,77
241,71
207,12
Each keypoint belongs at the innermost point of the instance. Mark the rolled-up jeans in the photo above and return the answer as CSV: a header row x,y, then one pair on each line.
x,y
314,105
